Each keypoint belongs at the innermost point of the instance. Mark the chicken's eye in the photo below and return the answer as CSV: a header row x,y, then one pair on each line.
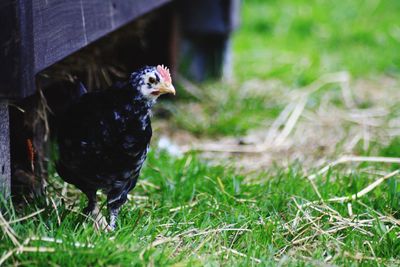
x,y
152,80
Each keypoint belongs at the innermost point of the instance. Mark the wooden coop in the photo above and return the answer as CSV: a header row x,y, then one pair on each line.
x,y
47,46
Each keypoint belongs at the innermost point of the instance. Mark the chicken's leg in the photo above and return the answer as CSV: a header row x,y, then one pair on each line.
x,y
92,202
113,217
115,200
93,210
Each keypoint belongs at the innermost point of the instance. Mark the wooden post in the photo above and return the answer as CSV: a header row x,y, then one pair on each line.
x,y
5,169
205,43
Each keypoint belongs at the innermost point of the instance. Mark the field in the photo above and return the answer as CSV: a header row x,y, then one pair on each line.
x,y
294,161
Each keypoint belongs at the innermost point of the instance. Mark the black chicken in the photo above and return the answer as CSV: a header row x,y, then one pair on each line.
x,y
104,137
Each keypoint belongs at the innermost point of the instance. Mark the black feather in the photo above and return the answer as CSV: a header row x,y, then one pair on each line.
x,y
103,140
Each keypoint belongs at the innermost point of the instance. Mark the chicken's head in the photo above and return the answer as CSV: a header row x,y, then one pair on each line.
x,y
151,82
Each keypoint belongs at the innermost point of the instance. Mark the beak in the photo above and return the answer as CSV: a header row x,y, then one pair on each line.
x,y
167,88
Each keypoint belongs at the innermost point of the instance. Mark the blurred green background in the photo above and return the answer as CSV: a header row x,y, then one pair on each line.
x,y
298,40
288,44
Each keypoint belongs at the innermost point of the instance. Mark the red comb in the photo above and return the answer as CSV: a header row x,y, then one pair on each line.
x,y
164,72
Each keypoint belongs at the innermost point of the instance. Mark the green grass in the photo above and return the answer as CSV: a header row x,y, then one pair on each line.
x,y
297,41
259,210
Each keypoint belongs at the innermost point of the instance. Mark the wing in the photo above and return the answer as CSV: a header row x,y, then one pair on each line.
x,y
102,134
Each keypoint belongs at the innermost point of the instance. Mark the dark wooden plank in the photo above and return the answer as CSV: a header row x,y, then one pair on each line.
x,y
62,27
98,18
16,50
58,28
5,170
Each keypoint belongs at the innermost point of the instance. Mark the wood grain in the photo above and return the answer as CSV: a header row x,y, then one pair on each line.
x,y
5,170
16,49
